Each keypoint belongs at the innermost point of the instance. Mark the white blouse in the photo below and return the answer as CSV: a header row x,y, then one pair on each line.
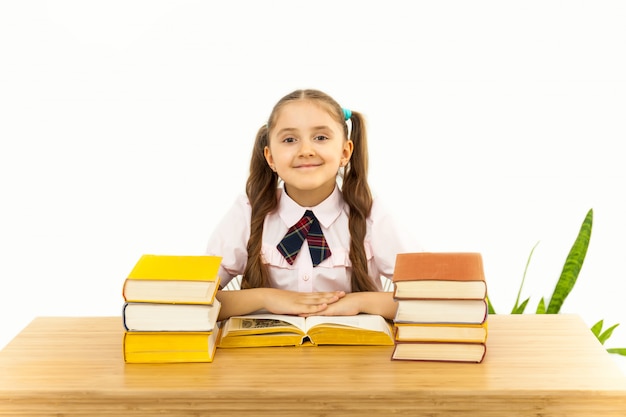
x,y
382,243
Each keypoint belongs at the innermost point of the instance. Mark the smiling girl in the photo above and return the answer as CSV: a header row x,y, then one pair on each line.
x,y
308,238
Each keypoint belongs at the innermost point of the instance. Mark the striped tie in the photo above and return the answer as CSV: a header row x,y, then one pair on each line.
x,y
308,227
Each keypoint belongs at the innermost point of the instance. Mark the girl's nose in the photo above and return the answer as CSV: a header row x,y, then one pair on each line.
x,y
306,148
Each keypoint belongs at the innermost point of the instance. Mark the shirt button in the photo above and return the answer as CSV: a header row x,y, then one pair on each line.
x,y
305,277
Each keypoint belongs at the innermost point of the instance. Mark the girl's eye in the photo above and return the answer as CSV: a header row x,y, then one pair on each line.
x,y
321,138
289,140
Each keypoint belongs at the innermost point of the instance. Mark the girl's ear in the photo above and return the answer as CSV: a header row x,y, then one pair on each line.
x,y
346,152
268,157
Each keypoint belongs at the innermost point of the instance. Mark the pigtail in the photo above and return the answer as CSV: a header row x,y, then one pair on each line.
x,y
261,191
357,194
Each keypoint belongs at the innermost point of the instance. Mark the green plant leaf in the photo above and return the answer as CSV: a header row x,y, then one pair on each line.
x,y
573,264
597,328
516,307
607,333
619,351
490,309
541,307
520,309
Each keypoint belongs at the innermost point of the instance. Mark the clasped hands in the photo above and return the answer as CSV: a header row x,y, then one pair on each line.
x,y
332,303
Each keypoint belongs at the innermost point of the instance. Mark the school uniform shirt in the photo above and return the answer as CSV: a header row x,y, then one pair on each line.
x,y
382,243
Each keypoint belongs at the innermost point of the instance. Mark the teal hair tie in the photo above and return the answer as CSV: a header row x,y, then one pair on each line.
x,y
347,114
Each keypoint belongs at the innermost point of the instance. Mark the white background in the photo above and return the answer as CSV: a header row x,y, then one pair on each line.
x,y
126,128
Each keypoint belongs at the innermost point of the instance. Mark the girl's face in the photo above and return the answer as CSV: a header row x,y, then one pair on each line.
x,y
306,148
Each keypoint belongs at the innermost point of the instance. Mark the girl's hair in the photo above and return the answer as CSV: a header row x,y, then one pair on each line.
x,y
263,181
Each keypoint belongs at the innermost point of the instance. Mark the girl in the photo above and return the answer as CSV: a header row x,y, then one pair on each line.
x,y
331,261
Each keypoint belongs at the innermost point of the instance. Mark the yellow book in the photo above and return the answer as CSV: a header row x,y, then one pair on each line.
x,y
257,330
189,279
178,267
169,347
427,332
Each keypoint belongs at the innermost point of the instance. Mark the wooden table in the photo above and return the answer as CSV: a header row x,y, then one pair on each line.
x,y
536,365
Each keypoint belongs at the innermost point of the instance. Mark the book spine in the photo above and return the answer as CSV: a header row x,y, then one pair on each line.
x,y
124,318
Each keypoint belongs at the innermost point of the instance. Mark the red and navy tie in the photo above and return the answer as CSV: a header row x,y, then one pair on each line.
x,y
308,227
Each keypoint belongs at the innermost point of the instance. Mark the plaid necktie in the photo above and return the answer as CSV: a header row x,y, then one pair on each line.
x,y
308,227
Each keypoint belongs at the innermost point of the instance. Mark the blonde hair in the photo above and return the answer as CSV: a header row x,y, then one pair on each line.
x,y
263,181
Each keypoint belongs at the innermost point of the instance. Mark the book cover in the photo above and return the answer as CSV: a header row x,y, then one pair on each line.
x,y
449,333
176,267
441,311
283,330
159,317
169,347
440,352
464,266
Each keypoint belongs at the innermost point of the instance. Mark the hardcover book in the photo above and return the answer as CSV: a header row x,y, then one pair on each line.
x,y
189,279
169,347
157,317
439,275
459,333
441,311
440,352
283,330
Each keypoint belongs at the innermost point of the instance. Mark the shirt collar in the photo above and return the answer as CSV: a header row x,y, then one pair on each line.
x,y
326,212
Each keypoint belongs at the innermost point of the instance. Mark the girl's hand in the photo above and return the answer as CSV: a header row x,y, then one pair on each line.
x,y
241,302
331,303
300,303
349,305
369,302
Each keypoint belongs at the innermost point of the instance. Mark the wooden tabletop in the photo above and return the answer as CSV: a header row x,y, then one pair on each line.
x,y
536,365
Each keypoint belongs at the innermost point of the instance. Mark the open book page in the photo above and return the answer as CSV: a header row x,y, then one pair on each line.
x,y
361,321
282,330
264,324
362,329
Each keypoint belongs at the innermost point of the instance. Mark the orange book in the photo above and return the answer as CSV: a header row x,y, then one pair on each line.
x,y
439,275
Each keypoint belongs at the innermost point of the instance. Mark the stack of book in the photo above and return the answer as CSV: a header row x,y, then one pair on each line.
x,y
442,307
170,311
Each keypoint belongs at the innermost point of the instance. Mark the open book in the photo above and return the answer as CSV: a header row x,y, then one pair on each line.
x,y
258,330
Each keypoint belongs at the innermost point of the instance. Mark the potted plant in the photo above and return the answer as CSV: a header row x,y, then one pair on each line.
x,y
565,284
